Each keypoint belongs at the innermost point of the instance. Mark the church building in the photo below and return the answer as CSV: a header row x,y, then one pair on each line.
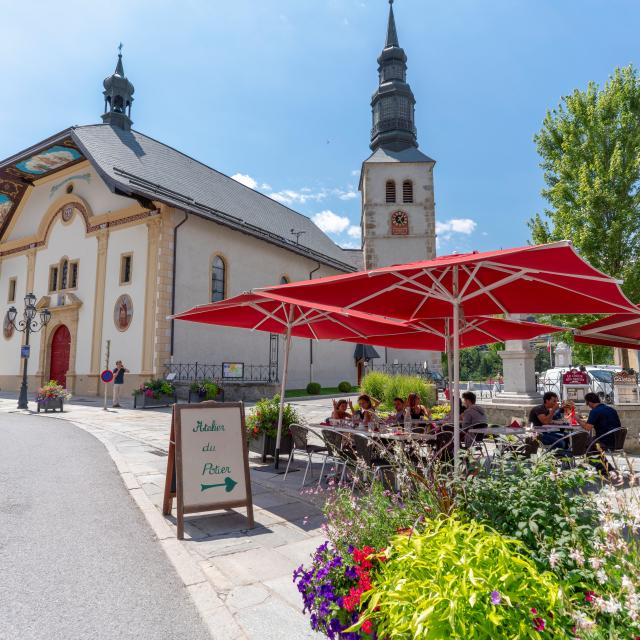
x,y
113,231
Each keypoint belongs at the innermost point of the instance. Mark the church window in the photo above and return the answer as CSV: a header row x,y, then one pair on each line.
x,y
391,191
64,274
407,191
73,274
12,290
126,264
53,278
218,279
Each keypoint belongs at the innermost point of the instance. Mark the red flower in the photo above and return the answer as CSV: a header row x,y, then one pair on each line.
x,y
538,624
589,596
367,627
534,610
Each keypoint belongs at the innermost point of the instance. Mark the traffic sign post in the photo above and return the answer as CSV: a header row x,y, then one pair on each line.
x,y
106,371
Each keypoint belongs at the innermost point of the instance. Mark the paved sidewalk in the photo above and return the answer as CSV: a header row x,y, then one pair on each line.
x,y
240,579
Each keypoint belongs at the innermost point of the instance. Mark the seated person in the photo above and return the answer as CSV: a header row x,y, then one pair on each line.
x,y
340,410
366,412
398,415
543,415
602,419
416,408
473,413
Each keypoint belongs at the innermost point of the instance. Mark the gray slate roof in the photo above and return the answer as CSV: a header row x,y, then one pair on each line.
x,y
355,257
406,155
133,163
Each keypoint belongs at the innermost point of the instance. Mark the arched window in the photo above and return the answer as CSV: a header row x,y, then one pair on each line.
x,y
64,274
407,191
218,279
391,191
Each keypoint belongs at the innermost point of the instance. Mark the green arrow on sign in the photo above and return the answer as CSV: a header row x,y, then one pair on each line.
x,y
228,485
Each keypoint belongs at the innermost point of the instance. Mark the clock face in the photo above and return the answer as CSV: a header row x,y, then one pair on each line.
x,y
399,223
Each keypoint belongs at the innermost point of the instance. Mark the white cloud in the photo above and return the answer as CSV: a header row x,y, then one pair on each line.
x,y
265,186
302,196
331,222
465,226
355,172
347,195
349,245
245,179
354,231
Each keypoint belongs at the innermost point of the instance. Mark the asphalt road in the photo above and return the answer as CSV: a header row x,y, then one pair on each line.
x,y
77,558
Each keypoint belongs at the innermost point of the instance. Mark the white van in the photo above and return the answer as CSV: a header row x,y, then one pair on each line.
x,y
600,381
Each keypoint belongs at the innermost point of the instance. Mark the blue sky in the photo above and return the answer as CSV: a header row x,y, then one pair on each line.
x,y
278,91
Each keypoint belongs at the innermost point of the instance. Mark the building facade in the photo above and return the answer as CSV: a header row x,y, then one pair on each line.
x,y
114,231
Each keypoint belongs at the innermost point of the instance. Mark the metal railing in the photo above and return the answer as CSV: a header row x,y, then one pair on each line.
x,y
417,369
191,371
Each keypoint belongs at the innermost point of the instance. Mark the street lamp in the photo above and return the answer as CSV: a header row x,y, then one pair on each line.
x,y
28,325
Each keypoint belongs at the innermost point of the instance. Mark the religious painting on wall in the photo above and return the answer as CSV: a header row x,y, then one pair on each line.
x,y
123,312
6,203
53,158
399,223
7,327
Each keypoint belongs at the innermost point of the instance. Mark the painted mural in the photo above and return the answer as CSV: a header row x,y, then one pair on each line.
x,y
7,327
6,203
123,312
49,160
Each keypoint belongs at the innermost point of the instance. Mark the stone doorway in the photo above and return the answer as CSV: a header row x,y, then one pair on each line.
x,y
59,356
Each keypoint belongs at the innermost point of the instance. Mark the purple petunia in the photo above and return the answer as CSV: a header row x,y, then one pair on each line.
x,y
496,598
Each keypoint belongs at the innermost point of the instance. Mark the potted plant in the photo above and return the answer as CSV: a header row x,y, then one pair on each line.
x,y
154,393
205,390
51,396
262,427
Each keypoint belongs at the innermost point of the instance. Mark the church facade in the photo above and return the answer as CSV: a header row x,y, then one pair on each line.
x,y
114,231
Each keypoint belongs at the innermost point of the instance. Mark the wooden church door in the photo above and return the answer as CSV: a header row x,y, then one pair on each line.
x,y
60,348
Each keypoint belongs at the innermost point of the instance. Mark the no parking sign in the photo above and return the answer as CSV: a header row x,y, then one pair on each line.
x,y
106,376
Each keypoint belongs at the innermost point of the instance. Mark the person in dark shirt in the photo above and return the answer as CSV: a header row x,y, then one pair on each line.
x,y
602,419
543,415
118,381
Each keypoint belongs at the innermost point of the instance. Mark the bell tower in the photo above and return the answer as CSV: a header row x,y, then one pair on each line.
x,y
118,96
396,181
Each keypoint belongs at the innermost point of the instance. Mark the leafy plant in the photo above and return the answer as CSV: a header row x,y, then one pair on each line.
x,y
52,390
155,388
344,386
385,387
461,580
264,418
374,384
206,389
314,388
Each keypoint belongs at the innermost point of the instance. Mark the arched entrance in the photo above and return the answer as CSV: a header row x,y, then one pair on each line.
x,y
60,350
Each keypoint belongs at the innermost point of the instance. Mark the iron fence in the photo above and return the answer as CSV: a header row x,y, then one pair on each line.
x,y
192,371
417,369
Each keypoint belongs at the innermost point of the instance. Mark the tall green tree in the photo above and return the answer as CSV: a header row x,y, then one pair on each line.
x,y
590,153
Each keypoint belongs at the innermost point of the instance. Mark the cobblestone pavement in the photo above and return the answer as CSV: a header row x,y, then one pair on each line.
x,y
250,571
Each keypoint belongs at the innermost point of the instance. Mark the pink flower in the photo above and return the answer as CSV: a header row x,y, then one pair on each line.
x,y
538,624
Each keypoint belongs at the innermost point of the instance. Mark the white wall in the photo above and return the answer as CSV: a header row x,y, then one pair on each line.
x,y
10,349
86,184
126,345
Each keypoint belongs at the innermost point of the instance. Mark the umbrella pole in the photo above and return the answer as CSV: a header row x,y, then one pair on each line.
x,y
455,396
285,371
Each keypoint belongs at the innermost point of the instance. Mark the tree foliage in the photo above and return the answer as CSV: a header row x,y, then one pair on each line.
x,y
590,151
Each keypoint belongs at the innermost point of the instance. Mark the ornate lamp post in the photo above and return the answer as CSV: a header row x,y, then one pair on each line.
x,y
27,325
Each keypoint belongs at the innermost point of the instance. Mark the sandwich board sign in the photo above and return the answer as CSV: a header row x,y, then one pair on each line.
x,y
208,463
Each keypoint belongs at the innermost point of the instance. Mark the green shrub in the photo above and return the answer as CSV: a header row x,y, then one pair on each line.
x,y
206,389
154,388
264,418
314,388
462,580
344,387
374,384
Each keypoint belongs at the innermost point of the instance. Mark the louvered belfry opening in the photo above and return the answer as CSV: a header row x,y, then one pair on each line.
x,y
407,191
391,191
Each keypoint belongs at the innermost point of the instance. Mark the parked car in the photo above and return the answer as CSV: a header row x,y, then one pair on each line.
x,y
437,379
600,380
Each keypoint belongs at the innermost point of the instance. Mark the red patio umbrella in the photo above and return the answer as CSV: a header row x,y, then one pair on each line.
x,y
549,278
260,311
620,330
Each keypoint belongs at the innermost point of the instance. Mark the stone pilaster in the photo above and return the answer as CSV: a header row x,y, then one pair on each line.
x,y
149,335
98,307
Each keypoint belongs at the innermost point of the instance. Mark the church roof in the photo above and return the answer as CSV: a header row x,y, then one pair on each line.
x,y
133,164
355,257
411,154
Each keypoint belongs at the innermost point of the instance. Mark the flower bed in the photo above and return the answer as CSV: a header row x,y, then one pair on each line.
x,y
205,390
51,397
154,393
262,426
533,549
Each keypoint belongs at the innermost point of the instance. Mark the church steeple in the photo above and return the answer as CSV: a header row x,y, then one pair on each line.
x,y
118,96
393,102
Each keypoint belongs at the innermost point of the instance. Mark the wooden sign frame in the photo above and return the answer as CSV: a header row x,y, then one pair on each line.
x,y
174,483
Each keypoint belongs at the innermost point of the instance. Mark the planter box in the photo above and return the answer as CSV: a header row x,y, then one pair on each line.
x,y
51,404
142,401
266,446
194,397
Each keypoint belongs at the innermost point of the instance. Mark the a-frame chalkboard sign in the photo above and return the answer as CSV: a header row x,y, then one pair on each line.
x,y
208,463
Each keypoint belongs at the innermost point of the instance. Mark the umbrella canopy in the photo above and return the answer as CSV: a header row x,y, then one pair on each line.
x,y
549,278
620,330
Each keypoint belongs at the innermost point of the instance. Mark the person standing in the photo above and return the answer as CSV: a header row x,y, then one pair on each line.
x,y
118,381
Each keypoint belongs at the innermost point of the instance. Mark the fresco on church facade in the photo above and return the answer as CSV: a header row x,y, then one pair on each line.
x,y
7,327
123,312
45,161
5,206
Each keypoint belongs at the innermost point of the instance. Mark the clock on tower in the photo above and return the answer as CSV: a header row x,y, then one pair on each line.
x,y
399,223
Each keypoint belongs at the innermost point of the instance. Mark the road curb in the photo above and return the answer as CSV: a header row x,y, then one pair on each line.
x,y
210,605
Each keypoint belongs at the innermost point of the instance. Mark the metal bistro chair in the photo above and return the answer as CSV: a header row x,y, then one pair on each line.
x,y
339,454
371,454
300,437
596,447
578,442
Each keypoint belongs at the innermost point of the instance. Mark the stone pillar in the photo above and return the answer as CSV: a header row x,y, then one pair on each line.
x,y
518,362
